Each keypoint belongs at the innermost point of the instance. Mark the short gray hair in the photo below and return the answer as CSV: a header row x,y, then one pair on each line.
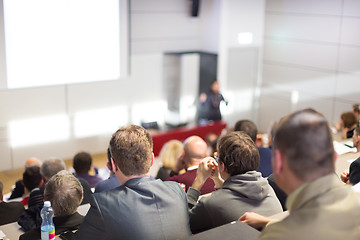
x,y
51,167
64,192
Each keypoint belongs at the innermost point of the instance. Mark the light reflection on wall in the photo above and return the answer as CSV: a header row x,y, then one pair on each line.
x,y
149,112
187,109
100,121
39,130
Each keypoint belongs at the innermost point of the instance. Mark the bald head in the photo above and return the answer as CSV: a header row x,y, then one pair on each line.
x,y
195,149
33,161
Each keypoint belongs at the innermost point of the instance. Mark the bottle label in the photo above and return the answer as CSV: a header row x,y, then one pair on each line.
x,y
48,235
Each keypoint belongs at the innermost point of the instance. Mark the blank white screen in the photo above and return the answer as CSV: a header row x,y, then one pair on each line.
x,y
51,42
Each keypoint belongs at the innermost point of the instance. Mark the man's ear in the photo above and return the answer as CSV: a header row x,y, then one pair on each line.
x,y
109,166
278,161
113,165
152,159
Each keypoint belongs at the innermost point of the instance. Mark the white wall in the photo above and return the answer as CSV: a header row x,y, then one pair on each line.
x,y
239,65
313,48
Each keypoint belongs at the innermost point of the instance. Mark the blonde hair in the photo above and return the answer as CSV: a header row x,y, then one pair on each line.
x,y
170,152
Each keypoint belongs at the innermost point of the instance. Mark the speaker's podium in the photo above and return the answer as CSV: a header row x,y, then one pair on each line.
x,y
232,231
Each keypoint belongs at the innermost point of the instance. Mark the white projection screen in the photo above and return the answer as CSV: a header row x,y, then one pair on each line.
x,y
53,42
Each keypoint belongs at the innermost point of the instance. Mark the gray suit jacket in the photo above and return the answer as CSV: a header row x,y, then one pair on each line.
x,y
139,209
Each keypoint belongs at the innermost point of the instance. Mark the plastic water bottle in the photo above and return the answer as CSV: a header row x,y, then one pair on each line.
x,y
47,225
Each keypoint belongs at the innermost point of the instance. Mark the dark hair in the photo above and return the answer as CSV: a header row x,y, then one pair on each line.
x,y
348,119
1,189
305,139
357,128
131,149
238,153
356,108
32,177
82,162
248,127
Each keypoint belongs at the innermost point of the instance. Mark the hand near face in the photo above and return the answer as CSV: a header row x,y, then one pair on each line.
x,y
345,176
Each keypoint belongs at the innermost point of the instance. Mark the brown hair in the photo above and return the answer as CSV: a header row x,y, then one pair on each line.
x,y
305,140
238,153
82,162
348,119
248,127
64,192
131,149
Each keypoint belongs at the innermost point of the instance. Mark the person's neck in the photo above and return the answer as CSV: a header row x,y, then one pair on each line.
x,y
123,179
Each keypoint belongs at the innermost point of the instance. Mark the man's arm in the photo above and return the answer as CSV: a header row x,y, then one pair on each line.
x,y
93,226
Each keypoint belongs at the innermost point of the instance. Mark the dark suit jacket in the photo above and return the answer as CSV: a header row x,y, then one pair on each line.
x,y
141,208
354,173
62,224
10,212
188,178
265,161
18,190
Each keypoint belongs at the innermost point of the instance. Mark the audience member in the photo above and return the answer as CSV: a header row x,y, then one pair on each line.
x,y
110,183
356,111
271,133
30,219
31,179
353,174
240,187
82,164
18,191
250,129
168,155
65,193
211,140
9,211
348,123
195,149
320,205
140,208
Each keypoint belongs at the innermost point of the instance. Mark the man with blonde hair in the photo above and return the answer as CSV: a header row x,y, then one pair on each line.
x,y
65,193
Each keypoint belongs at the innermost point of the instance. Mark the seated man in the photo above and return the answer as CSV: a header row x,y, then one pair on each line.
x,y
140,208
110,183
49,168
82,164
65,193
320,205
31,179
30,219
250,129
195,149
19,190
9,211
352,175
240,187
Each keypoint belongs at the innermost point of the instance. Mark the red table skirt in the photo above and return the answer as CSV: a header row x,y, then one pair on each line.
x,y
160,138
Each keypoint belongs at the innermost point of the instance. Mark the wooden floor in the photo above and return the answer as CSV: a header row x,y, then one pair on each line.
x,y
10,177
